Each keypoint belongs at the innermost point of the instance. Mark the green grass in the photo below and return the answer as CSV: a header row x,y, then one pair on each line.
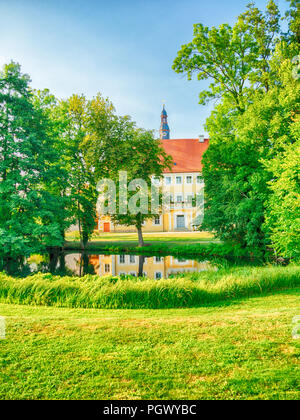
x,y
132,238
241,351
189,290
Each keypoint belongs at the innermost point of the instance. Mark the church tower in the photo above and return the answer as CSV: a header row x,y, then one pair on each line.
x,y
164,130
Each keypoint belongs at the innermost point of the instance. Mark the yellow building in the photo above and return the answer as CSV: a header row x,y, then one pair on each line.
x,y
183,183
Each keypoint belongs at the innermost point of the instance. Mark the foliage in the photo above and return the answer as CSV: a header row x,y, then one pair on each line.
x,y
283,206
28,209
252,123
143,157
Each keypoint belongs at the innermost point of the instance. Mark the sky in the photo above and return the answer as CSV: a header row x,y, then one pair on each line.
x,y
123,49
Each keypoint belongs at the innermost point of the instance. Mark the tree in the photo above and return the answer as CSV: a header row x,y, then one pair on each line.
x,y
142,158
73,115
245,64
28,221
283,205
232,58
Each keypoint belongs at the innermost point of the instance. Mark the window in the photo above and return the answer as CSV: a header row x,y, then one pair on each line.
x,y
107,268
132,259
157,259
158,275
133,274
122,259
122,274
156,180
199,179
189,198
189,179
168,180
178,180
179,198
157,220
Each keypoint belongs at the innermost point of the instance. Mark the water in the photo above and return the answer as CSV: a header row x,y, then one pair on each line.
x,y
80,264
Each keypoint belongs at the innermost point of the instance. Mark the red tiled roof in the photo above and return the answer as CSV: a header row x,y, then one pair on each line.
x,y
186,154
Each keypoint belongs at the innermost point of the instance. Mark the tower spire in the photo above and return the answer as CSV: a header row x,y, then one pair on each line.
x,y
164,130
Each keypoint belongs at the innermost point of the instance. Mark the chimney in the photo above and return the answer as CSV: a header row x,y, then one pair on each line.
x,y
201,138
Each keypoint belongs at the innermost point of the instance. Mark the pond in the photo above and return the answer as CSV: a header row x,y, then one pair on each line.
x,y
80,264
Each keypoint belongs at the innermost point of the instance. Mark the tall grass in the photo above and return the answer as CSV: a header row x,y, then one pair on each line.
x,y
112,292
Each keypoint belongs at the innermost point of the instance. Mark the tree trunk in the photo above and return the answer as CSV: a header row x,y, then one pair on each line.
x,y
140,235
141,265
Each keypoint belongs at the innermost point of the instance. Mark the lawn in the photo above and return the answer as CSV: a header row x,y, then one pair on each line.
x,y
241,350
131,239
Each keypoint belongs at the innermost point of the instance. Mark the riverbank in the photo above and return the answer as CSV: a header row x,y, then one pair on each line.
x,y
186,290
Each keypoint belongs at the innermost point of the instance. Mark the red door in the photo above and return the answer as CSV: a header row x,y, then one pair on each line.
x,y
106,227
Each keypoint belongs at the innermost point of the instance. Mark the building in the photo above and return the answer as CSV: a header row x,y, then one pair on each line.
x,y
183,183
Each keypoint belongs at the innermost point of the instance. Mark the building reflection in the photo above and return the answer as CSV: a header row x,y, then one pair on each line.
x,y
136,265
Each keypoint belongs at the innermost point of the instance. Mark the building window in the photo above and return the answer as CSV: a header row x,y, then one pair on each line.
x,y
122,274
107,268
157,220
133,274
158,275
199,179
168,180
156,180
132,259
178,180
179,198
189,179
189,198
157,259
122,259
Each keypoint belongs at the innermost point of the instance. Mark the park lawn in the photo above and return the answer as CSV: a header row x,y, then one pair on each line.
x,y
241,350
131,239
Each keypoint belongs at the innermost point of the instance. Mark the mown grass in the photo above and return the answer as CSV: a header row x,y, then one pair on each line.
x,y
241,351
129,238
193,290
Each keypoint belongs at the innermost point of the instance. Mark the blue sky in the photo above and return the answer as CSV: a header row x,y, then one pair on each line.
x,y
121,48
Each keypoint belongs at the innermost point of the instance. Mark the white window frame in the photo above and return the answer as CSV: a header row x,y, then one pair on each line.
x,y
131,262
178,183
199,179
105,266
122,262
133,273
170,178
154,220
177,196
158,262
186,179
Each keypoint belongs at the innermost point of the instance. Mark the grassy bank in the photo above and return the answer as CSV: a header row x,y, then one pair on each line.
x,y
205,250
241,351
192,290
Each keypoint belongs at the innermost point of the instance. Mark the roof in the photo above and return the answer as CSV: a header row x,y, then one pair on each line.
x,y
186,154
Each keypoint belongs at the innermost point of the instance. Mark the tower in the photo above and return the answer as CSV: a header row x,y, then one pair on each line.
x,y
164,130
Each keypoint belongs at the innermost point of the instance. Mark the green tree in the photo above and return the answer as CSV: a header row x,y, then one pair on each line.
x,y
28,221
143,158
73,115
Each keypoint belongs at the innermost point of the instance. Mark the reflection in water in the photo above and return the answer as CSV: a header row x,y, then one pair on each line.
x,y
80,264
